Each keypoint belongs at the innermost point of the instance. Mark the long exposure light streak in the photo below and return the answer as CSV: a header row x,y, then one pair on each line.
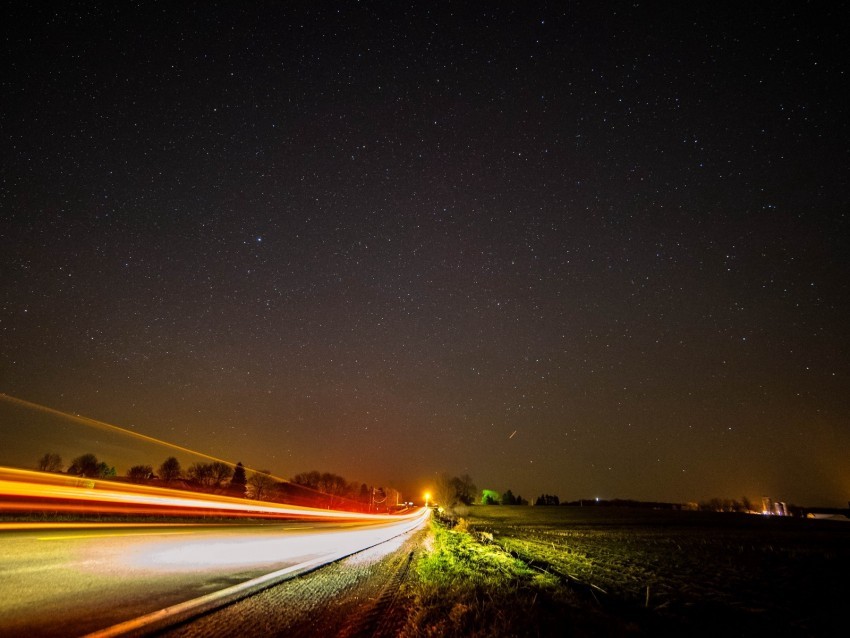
x,y
26,490
377,540
115,428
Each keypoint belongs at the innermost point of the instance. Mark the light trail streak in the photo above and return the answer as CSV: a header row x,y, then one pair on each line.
x,y
35,527
71,537
377,540
102,425
114,428
193,554
159,569
26,490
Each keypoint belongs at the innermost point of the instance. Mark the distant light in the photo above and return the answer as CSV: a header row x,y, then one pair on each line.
x,y
597,499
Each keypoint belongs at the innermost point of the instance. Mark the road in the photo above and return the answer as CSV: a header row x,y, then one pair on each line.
x,y
58,581
360,596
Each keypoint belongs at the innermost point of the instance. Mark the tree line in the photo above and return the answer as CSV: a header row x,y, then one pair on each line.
x,y
86,465
744,506
454,491
317,489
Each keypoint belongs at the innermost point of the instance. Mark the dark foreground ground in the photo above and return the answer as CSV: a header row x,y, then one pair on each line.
x,y
522,571
697,573
563,571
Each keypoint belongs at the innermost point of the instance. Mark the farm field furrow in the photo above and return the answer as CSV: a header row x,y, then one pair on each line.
x,y
690,567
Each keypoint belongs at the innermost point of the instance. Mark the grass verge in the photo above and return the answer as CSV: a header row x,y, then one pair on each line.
x,y
461,586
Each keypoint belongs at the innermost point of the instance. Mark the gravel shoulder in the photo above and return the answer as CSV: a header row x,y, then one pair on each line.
x,y
357,596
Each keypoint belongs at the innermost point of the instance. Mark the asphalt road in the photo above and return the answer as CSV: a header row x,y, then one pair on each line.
x,y
360,596
67,582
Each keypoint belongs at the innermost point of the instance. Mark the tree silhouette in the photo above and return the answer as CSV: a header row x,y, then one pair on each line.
x,y
50,462
308,479
547,499
333,484
85,465
238,482
139,473
220,472
260,485
200,474
105,471
211,475
444,492
170,470
449,492
465,489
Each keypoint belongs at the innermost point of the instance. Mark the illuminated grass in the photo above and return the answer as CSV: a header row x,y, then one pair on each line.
x,y
458,558
692,573
461,586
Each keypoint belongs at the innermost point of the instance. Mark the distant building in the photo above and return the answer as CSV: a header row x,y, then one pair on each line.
x,y
766,505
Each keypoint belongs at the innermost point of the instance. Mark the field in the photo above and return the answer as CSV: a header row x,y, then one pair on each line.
x,y
667,572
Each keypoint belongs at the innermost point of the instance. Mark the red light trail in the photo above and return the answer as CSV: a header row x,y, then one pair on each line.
x,y
29,491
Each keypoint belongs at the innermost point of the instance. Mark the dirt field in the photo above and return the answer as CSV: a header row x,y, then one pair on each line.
x,y
701,572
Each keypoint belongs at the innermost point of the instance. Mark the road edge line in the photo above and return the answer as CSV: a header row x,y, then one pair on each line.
x,y
181,612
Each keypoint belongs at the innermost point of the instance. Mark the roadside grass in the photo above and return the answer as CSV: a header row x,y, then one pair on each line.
x,y
461,586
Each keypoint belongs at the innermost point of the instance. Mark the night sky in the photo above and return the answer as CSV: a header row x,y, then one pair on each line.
x,y
564,248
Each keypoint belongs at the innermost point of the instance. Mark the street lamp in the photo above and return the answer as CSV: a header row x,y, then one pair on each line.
x,y
427,498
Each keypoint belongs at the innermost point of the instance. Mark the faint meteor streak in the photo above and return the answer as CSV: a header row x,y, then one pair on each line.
x,y
512,434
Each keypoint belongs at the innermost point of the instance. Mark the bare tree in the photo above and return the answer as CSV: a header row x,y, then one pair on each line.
x,y
333,484
308,479
170,470
85,465
260,485
450,492
212,475
201,474
139,473
221,472
465,489
444,492
50,462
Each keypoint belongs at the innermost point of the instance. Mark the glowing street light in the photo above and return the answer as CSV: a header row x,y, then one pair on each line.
x,y
427,498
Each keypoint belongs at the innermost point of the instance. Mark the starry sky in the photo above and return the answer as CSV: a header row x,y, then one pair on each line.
x,y
588,249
